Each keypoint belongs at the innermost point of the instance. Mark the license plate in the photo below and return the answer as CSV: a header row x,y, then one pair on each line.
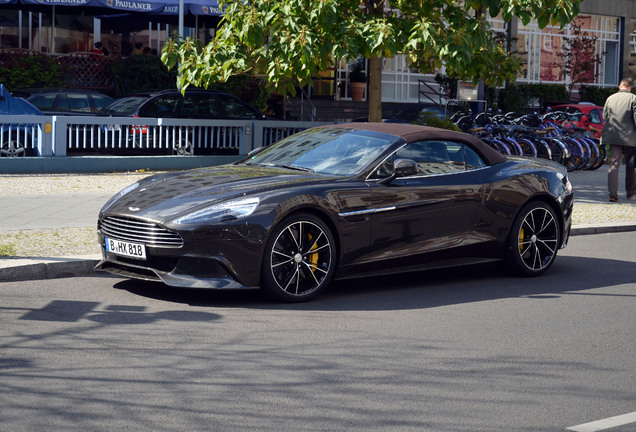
x,y
129,249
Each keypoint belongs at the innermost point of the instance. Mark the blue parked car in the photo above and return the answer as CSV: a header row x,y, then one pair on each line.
x,y
15,138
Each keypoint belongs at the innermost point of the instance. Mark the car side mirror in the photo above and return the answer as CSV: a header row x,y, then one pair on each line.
x,y
405,168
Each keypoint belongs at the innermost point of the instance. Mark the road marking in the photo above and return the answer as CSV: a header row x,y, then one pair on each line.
x,y
608,423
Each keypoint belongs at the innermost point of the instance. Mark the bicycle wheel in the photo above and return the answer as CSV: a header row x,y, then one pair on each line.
x,y
602,154
527,147
515,148
589,153
497,145
543,149
560,153
577,155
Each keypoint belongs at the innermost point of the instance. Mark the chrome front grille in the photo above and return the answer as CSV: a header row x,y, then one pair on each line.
x,y
139,231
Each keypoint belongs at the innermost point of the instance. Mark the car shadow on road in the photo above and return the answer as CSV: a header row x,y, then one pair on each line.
x,y
416,290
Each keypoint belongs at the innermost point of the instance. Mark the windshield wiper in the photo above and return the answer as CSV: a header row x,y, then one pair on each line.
x,y
297,168
273,165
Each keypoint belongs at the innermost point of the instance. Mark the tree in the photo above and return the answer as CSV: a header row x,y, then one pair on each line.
x,y
579,55
290,41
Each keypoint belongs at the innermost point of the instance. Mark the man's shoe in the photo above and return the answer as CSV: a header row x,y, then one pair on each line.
x,y
613,199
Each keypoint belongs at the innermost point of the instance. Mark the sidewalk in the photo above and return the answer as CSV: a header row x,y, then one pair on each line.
x,y
47,222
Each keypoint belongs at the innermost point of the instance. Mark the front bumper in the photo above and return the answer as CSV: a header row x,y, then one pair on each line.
x,y
220,264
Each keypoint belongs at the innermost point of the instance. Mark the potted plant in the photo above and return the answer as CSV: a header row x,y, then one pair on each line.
x,y
357,79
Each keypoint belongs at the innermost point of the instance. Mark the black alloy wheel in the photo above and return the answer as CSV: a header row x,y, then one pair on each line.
x,y
299,259
534,240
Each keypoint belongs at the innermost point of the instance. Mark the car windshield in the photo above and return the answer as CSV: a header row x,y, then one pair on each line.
x,y
328,150
124,106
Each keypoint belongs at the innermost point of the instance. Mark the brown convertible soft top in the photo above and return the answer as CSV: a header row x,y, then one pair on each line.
x,y
412,133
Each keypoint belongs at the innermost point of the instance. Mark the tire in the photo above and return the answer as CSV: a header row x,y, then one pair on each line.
x,y
299,259
12,147
534,240
183,148
543,149
602,155
558,150
182,145
577,155
528,148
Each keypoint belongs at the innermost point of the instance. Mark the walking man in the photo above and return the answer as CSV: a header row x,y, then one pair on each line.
x,y
619,132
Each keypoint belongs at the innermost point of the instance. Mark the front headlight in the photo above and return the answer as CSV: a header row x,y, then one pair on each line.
x,y
120,194
233,209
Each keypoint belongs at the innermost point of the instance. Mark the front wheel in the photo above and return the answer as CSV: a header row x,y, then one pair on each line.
x,y
533,241
299,260
12,147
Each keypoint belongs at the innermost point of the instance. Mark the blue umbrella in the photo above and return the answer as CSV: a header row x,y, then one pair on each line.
x,y
119,5
195,7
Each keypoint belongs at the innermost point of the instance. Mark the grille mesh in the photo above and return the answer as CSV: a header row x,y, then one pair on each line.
x,y
139,231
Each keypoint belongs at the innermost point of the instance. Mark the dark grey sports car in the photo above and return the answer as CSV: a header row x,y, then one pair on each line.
x,y
335,202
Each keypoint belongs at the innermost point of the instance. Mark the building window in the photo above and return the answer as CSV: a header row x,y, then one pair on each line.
x,y
541,50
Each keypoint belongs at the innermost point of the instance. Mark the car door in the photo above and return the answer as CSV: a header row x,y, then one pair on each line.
x,y
200,106
161,106
431,210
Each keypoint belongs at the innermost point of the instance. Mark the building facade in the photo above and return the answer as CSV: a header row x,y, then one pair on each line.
x,y
610,24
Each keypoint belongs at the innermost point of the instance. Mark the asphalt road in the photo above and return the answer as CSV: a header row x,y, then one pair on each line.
x,y
465,350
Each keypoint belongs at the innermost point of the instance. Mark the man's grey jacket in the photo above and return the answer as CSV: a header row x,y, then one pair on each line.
x,y
619,114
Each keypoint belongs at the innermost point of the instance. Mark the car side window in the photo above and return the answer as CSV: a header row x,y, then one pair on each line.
x,y
44,102
101,101
160,106
78,103
440,157
200,105
595,116
235,109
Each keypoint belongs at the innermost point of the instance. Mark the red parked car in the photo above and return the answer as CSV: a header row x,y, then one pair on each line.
x,y
584,115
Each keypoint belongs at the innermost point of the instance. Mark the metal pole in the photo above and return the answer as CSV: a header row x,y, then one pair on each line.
x,y
181,14
20,29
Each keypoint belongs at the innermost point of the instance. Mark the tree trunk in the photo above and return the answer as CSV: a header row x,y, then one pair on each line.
x,y
375,89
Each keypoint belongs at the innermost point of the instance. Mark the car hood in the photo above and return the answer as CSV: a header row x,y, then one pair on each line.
x,y
164,197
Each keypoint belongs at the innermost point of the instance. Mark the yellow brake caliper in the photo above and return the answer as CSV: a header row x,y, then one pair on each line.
x,y
313,258
521,237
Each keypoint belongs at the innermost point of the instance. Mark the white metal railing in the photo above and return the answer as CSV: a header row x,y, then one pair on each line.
x,y
21,135
68,135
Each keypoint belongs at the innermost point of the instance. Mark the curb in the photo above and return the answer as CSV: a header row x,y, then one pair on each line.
x,y
602,229
47,269
51,268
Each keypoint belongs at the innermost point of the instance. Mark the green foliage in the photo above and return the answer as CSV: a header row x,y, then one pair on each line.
x,y
251,89
28,70
448,85
309,35
140,73
433,120
596,95
520,98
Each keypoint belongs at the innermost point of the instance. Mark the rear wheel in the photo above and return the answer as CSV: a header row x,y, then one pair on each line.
x,y
299,259
183,147
533,241
12,147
